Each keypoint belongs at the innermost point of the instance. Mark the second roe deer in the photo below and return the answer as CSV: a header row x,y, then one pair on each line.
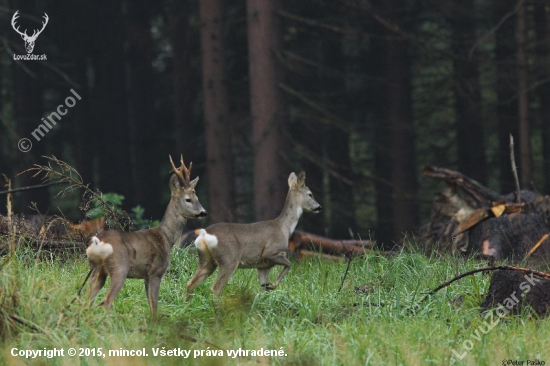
x,y
145,253
260,245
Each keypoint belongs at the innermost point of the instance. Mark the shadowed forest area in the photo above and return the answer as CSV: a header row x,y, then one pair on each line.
x,y
359,94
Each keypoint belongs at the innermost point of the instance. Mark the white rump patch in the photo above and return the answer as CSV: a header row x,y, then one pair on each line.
x,y
205,240
99,249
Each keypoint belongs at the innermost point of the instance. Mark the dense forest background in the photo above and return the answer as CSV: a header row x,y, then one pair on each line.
x,y
359,94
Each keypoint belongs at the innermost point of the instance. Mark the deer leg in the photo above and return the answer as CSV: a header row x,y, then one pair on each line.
x,y
206,267
263,276
117,280
282,260
96,284
153,287
224,275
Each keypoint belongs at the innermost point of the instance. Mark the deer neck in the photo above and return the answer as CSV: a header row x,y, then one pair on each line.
x,y
290,215
171,225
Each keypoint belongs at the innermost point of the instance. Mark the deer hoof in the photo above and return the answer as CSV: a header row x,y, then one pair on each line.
x,y
268,286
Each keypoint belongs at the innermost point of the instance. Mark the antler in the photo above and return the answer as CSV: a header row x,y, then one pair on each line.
x,y
36,33
179,172
13,19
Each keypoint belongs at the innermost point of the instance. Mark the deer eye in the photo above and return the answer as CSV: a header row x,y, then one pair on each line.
x,y
310,194
188,200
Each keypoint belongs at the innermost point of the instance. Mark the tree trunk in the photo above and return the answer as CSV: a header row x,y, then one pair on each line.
x,y
112,102
382,159
144,146
507,107
523,101
217,122
183,77
469,118
267,108
400,128
28,111
542,25
85,148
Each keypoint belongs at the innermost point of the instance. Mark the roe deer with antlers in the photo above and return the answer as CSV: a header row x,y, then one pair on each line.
x,y
260,245
144,254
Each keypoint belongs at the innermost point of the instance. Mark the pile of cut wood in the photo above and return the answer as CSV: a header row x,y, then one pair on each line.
x,y
472,219
50,233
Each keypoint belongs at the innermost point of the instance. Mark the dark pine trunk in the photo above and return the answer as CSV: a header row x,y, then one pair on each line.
x,y
28,113
469,118
28,100
218,131
397,120
542,25
523,99
382,158
267,108
184,77
507,108
141,94
112,104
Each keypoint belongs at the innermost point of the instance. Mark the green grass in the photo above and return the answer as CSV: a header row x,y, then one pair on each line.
x,y
305,316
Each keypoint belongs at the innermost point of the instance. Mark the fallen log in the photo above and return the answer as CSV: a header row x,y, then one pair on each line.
x,y
475,194
46,245
303,253
302,240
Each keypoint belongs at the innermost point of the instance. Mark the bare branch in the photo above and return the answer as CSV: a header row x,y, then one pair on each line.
x,y
486,269
313,22
62,172
30,187
495,28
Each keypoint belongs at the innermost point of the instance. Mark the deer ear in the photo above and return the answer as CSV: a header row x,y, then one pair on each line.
x,y
174,183
302,178
194,182
292,179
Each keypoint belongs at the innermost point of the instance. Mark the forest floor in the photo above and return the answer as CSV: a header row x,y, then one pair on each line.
x,y
373,320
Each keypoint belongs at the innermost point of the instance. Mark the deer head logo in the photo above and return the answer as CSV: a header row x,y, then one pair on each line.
x,y
29,40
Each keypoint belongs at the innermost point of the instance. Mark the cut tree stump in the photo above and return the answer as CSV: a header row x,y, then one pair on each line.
x,y
513,292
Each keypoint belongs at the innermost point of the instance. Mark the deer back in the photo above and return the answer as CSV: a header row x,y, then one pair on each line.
x,y
135,251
